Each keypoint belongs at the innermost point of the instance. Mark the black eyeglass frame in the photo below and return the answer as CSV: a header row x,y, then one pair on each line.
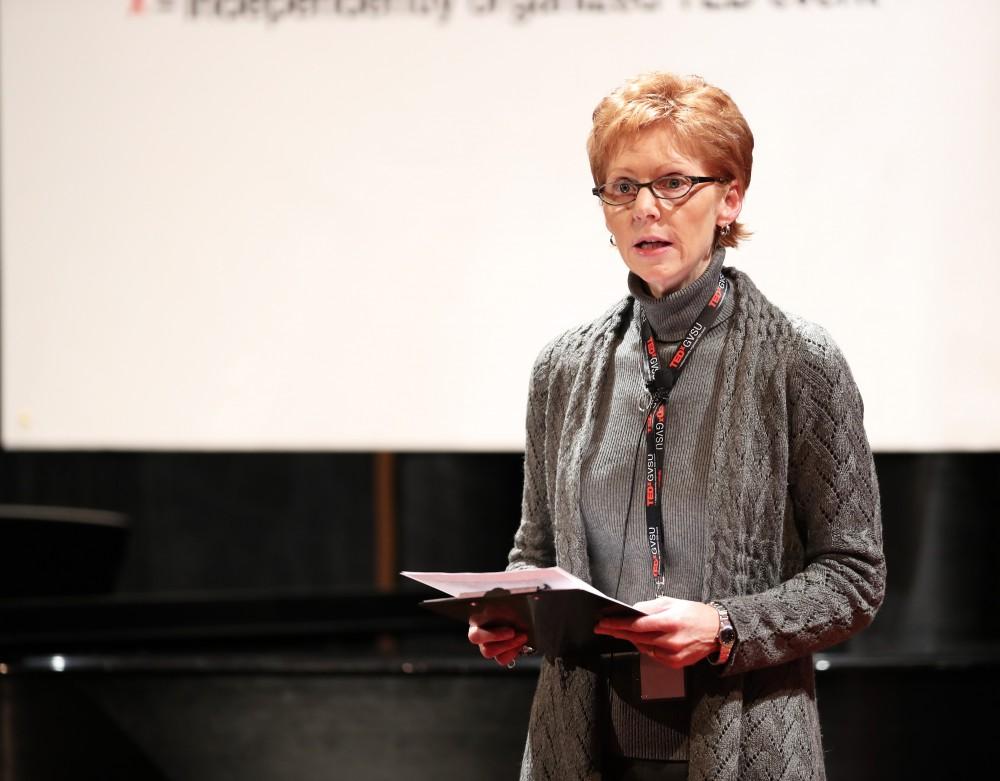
x,y
693,180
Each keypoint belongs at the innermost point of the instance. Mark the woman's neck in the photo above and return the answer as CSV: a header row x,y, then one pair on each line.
x,y
671,316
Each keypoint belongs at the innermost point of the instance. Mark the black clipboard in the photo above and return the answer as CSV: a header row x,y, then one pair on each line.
x,y
559,623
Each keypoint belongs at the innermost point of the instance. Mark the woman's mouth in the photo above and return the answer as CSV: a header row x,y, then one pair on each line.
x,y
652,244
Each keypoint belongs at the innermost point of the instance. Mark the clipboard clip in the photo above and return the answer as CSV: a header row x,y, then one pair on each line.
x,y
499,591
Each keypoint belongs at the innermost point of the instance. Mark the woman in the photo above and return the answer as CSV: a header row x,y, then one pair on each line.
x,y
699,452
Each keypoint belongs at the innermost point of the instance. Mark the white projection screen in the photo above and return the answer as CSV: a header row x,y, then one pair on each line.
x,y
352,224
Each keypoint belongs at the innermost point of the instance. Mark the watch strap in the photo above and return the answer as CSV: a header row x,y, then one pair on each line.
x,y
725,637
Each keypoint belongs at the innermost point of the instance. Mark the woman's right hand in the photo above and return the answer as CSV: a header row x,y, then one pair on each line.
x,y
503,644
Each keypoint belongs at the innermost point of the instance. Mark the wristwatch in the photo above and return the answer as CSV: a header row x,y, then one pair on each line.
x,y
726,637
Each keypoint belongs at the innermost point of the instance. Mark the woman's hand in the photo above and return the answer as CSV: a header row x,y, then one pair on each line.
x,y
677,633
503,644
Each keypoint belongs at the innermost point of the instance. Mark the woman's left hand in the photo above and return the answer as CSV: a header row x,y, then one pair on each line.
x,y
677,633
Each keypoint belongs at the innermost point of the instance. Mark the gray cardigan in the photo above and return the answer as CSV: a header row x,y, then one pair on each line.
x,y
793,550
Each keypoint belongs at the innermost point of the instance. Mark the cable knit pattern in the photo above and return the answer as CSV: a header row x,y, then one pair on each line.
x,y
793,547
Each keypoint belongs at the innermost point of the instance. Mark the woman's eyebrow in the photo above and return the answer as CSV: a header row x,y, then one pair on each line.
x,y
665,169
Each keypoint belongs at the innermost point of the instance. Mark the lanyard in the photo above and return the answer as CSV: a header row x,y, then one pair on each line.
x,y
660,381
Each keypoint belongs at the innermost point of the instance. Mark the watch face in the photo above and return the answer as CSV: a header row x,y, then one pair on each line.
x,y
727,635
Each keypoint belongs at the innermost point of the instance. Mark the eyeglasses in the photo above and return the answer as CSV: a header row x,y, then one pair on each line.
x,y
670,187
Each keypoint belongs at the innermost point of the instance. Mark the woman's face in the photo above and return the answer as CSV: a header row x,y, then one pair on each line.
x,y
668,243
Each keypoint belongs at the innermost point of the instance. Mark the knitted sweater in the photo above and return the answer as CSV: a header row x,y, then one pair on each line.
x,y
793,541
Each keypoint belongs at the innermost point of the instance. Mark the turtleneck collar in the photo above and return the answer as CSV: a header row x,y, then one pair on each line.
x,y
671,317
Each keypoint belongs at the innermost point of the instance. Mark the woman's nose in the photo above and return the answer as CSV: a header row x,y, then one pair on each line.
x,y
646,205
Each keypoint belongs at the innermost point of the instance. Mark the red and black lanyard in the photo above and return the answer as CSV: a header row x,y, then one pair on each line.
x,y
660,381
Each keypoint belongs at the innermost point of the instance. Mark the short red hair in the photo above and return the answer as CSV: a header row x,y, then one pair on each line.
x,y
704,120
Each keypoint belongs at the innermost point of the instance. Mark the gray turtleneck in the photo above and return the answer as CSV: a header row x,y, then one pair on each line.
x,y
611,475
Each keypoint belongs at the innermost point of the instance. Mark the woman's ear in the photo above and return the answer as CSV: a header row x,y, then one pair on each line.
x,y
731,205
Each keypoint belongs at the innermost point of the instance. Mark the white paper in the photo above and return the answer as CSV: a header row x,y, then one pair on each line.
x,y
459,584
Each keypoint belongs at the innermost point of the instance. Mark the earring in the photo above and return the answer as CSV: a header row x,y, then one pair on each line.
x,y
611,240
723,231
